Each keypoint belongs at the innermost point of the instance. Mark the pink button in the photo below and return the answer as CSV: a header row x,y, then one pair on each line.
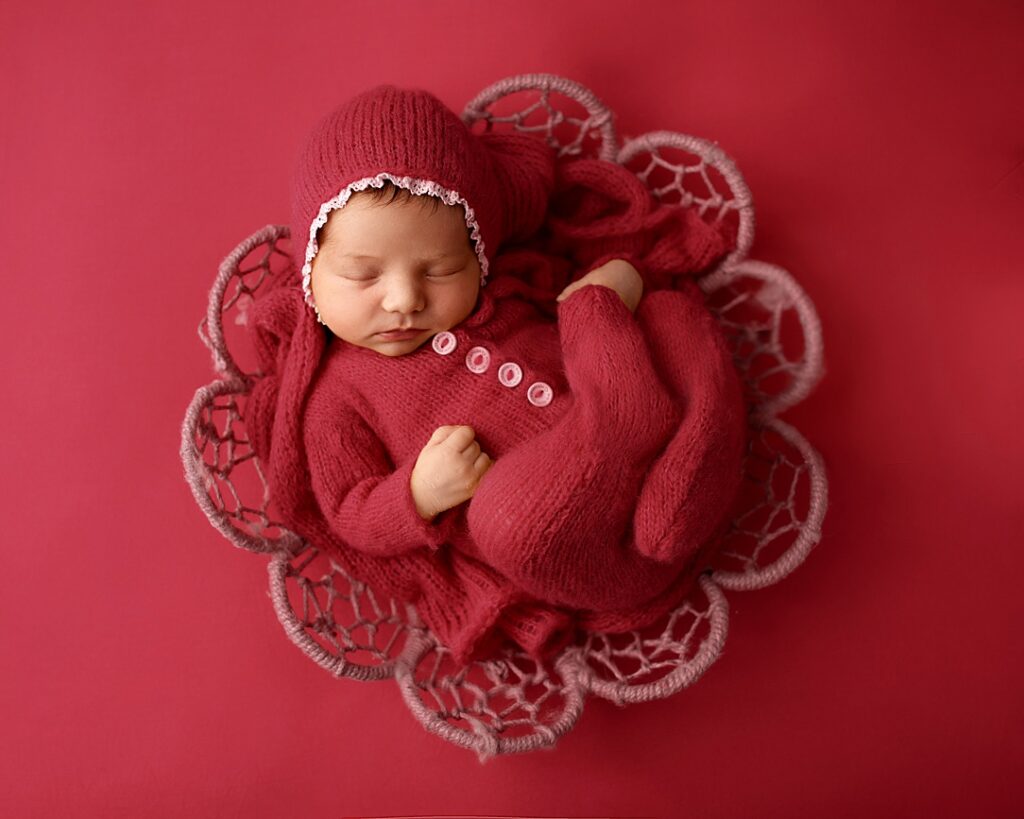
x,y
510,374
444,343
478,360
539,394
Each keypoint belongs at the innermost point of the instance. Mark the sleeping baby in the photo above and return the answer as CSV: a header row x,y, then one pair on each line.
x,y
467,412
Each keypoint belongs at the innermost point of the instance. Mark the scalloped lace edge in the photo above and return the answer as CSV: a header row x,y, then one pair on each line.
x,y
415,186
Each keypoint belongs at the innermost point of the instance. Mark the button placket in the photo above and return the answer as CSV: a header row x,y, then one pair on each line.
x,y
510,374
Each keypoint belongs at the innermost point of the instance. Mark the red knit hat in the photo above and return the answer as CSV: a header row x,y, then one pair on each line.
x,y
408,137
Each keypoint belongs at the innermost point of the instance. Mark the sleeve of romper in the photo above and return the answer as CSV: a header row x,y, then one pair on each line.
x,y
366,500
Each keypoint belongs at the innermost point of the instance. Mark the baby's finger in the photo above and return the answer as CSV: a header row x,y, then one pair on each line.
x,y
441,434
483,463
461,437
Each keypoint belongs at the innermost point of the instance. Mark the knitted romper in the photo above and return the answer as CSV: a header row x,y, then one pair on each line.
x,y
617,441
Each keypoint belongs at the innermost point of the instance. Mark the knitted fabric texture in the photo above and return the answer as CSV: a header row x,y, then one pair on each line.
x,y
601,501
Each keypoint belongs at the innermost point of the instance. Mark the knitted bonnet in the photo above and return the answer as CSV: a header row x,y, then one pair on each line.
x,y
408,137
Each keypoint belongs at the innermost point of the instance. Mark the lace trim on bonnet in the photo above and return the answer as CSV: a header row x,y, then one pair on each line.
x,y
417,187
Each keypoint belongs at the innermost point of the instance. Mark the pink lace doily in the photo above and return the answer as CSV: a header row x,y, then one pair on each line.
x,y
510,703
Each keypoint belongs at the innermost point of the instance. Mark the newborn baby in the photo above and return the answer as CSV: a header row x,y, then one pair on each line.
x,y
585,460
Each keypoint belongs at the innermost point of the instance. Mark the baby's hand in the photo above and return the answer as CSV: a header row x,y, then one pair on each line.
x,y
619,275
447,470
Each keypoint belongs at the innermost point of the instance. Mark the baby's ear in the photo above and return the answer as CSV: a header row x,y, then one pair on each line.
x,y
525,169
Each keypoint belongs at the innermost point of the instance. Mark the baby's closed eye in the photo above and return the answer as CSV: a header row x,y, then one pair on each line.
x,y
360,275
373,275
441,274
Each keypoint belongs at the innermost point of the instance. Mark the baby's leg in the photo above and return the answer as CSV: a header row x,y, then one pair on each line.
x,y
554,513
692,484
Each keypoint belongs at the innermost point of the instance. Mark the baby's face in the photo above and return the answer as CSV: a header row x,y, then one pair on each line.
x,y
401,264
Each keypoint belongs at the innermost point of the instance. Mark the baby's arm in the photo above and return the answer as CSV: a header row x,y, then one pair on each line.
x,y
367,501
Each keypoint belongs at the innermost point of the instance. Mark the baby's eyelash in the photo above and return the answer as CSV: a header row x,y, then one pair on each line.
x,y
370,275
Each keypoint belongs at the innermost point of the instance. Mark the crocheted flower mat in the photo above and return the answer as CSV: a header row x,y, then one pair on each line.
x,y
509,703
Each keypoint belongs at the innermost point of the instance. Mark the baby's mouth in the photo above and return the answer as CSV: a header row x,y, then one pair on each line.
x,y
397,335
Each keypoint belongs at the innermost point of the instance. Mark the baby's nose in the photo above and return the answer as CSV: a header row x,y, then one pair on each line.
x,y
403,297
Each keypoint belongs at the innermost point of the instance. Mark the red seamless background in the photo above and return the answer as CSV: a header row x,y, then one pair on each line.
x,y
145,671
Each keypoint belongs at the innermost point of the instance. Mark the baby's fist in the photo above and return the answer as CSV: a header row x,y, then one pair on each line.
x,y
448,470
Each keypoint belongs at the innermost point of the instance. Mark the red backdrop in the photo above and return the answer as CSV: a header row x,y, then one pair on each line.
x,y
145,672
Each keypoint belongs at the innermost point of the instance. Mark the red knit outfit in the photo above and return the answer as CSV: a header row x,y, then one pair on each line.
x,y
617,438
